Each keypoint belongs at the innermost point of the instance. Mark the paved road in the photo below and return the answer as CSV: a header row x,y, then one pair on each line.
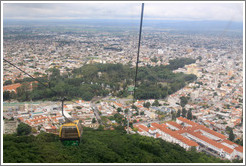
x,y
96,112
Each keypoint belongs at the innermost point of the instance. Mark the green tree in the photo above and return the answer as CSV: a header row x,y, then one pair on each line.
x,y
184,112
147,105
119,109
134,107
178,113
156,103
231,135
126,111
183,101
173,116
8,82
6,95
94,120
23,129
189,115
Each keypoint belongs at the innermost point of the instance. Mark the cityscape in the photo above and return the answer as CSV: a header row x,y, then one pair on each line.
x,y
189,90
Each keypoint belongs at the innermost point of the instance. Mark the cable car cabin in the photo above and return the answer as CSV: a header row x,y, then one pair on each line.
x,y
70,133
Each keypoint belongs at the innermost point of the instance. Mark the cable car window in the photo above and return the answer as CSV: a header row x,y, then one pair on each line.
x,y
69,132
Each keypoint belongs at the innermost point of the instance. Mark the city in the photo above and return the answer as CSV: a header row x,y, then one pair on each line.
x,y
205,112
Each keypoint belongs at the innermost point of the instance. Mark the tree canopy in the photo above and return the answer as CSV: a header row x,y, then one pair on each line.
x,y
23,129
98,146
103,79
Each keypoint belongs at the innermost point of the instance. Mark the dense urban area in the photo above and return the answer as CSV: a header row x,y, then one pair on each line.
x,y
189,86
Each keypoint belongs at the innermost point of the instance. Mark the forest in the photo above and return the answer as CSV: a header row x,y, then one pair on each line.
x,y
153,82
98,146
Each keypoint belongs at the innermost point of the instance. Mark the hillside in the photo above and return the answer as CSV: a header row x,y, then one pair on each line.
x,y
98,147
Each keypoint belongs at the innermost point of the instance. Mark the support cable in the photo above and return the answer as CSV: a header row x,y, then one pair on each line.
x,y
136,73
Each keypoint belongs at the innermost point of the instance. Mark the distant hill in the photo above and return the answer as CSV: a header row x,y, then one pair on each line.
x,y
98,147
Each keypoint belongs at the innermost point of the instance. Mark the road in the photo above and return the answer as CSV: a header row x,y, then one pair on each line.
x,y
95,110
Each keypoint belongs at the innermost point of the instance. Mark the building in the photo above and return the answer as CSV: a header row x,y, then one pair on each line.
x,y
188,134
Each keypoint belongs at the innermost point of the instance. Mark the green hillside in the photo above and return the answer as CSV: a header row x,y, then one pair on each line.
x,y
98,147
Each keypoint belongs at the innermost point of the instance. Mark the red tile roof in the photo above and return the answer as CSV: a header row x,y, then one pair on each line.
x,y
143,127
152,128
175,124
229,142
156,125
175,134
139,130
158,135
212,132
11,87
187,121
239,149
212,142
118,104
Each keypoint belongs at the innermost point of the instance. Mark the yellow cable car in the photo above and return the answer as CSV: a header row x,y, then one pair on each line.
x,y
71,131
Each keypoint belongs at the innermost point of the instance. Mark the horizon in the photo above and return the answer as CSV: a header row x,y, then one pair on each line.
x,y
232,12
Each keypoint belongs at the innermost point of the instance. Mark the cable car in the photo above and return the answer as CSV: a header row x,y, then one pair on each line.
x,y
70,133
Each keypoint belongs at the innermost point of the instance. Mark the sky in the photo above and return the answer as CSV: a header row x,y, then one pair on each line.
x,y
118,10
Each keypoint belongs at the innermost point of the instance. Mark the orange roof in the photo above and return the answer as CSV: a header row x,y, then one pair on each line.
x,y
53,127
212,142
152,128
156,125
175,124
139,106
140,130
212,132
118,104
36,119
143,127
187,121
158,135
175,135
229,142
239,149
54,117
11,87
21,118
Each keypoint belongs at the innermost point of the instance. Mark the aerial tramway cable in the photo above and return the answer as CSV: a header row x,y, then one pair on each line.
x,y
136,73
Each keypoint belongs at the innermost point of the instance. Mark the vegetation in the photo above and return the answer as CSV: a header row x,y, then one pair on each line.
x,y
184,112
98,146
179,63
101,80
23,129
184,100
178,113
8,82
231,135
189,115
147,104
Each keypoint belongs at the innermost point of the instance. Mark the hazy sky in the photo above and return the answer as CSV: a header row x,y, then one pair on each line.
x,y
164,11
